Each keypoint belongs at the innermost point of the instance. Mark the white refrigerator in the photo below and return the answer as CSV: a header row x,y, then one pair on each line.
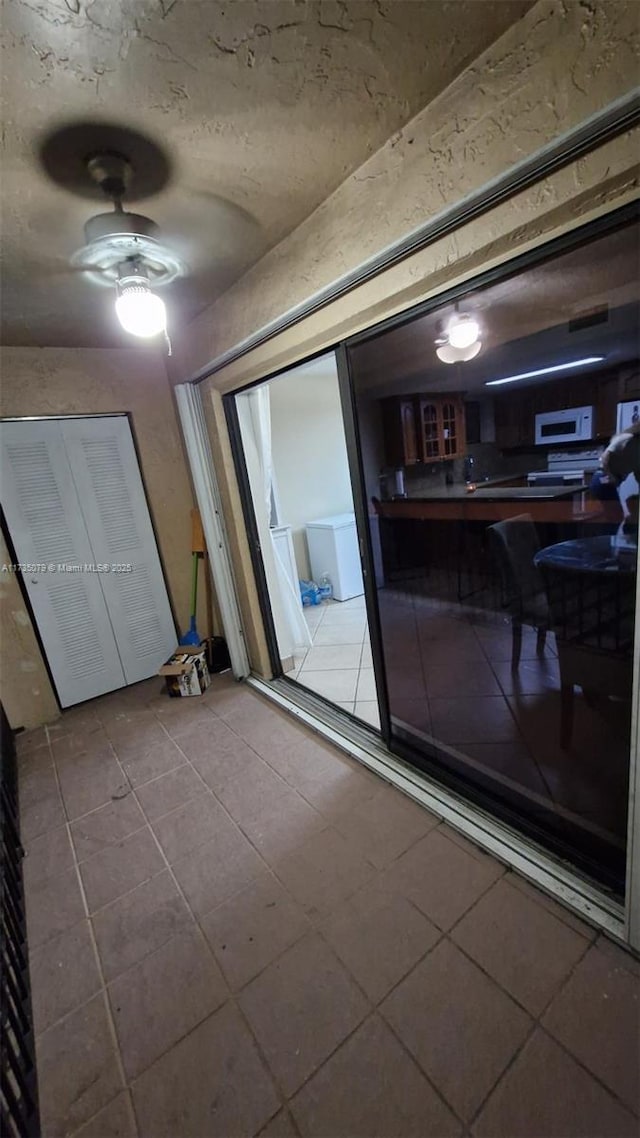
x,y
333,549
628,414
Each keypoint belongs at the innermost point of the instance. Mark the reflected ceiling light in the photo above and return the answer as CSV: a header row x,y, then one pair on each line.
x,y
139,310
462,331
458,340
451,355
546,370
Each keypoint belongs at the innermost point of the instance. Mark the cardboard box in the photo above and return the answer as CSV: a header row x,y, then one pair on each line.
x,y
186,672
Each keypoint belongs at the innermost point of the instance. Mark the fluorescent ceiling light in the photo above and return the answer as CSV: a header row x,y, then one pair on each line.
x,y
546,370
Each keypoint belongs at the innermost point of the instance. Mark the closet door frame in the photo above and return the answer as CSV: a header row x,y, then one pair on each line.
x,y
6,533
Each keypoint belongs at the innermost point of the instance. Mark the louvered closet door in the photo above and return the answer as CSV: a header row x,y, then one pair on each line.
x,y
46,525
105,468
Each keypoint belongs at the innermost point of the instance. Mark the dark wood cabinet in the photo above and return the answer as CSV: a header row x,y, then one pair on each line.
x,y
606,407
515,411
430,430
514,419
441,429
409,432
423,428
400,431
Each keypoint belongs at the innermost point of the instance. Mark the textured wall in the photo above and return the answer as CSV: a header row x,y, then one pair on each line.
x,y
24,684
558,65
552,69
67,381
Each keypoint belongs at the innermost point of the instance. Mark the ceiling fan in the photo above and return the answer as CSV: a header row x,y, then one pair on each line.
x,y
458,340
126,250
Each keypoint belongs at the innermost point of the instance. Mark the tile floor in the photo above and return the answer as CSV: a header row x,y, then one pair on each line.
x,y
449,677
235,930
339,665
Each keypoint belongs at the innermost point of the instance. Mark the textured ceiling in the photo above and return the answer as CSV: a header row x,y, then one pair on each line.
x,y
524,321
262,107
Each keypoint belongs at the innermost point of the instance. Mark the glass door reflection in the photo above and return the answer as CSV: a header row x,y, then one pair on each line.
x,y
505,567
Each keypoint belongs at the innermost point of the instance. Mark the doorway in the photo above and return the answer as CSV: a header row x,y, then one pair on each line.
x,y
298,482
80,528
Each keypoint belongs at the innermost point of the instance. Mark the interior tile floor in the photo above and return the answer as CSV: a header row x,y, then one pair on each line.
x,y
339,665
449,677
235,930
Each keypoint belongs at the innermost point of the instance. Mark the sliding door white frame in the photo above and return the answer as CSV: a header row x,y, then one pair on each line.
x,y
205,483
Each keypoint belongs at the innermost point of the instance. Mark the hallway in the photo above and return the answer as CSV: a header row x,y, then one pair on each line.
x,y
235,930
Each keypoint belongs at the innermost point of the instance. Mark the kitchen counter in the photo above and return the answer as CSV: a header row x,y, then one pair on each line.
x,y
538,493
495,502
493,491
459,490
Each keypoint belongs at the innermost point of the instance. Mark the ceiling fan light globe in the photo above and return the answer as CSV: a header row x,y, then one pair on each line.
x,y
450,355
471,351
462,331
140,311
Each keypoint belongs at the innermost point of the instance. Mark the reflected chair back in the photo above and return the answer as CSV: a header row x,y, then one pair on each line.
x,y
514,543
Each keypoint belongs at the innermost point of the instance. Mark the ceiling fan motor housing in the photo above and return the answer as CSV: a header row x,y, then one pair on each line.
x,y
118,238
119,222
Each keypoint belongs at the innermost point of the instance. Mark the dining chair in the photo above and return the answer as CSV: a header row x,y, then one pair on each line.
x,y
592,615
602,675
514,543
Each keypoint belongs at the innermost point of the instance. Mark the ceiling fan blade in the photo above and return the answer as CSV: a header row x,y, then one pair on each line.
x,y
206,228
54,267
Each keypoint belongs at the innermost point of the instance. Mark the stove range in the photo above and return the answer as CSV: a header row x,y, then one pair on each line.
x,y
567,468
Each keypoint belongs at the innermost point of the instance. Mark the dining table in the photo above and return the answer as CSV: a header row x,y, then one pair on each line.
x,y
591,586
615,554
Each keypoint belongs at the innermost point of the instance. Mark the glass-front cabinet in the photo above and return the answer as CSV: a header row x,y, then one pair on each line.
x,y
431,435
423,429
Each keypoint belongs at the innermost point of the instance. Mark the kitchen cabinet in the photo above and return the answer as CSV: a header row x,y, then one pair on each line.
x,y
515,411
399,424
514,419
606,407
441,428
423,428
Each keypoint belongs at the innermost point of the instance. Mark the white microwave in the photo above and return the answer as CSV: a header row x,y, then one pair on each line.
x,y
574,425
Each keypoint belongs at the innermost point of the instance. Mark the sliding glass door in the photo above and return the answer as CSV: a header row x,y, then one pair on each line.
x,y
501,534
293,465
